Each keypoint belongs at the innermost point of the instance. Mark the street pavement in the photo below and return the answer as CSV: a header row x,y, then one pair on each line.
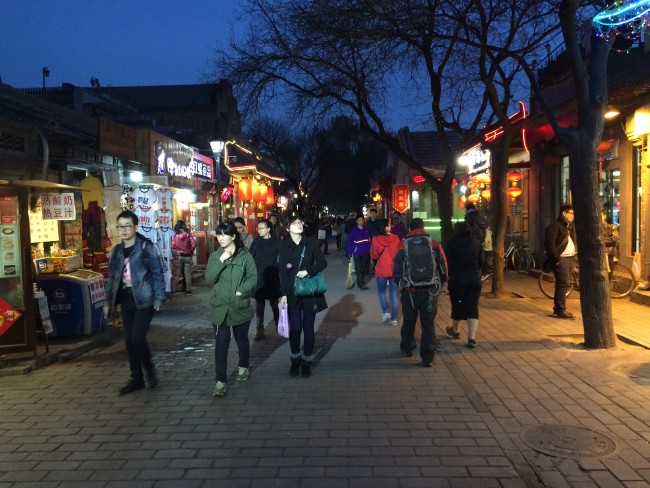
x,y
530,407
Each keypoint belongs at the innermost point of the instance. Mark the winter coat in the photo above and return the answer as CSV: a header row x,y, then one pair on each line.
x,y
265,253
147,279
359,241
383,250
464,257
313,262
183,243
246,239
557,238
237,274
399,230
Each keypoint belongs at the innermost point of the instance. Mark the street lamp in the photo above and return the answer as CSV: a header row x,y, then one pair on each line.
x,y
46,74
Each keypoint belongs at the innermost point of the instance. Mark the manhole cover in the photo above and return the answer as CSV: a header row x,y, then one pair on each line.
x,y
179,363
570,441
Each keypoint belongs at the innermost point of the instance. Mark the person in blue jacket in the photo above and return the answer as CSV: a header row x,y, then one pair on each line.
x,y
135,281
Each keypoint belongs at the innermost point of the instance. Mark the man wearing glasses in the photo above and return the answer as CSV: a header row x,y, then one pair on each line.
x,y
560,247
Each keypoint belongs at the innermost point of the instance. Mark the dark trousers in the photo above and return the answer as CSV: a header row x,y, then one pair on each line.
x,y
464,293
424,304
136,325
361,268
260,304
324,244
222,338
562,273
301,322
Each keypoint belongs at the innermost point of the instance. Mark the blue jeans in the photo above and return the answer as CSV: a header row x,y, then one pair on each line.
x,y
381,293
301,321
222,343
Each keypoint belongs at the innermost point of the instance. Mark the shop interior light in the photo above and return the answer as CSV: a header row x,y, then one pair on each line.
x,y
135,176
611,113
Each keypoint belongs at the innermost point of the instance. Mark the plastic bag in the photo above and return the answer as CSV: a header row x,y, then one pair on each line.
x,y
283,320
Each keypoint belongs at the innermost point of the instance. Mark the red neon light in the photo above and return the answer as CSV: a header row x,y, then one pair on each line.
x,y
418,179
520,114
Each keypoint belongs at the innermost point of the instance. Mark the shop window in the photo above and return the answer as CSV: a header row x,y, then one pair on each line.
x,y
565,182
609,192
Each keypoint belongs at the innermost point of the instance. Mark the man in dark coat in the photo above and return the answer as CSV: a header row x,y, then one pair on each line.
x,y
265,251
560,250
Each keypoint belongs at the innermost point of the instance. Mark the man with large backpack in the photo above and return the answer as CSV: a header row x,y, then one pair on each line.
x,y
420,270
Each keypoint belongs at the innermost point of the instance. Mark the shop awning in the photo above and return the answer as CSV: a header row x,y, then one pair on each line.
x,y
42,184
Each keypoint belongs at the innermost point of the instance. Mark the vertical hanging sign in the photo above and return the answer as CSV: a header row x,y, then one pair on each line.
x,y
401,197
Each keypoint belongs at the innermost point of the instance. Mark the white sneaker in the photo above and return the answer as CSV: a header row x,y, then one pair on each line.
x,y
394,323
385,318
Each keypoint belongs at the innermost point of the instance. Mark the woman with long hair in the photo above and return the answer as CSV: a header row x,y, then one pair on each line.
x,y
231,271
300,256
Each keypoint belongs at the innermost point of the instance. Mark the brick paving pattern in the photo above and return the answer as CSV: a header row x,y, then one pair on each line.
x,y
368,417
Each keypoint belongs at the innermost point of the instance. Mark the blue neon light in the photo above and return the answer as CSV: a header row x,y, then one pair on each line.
x,y
610,17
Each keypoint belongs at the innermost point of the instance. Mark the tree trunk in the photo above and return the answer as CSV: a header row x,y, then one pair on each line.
x,y
443,194
595,301
498,210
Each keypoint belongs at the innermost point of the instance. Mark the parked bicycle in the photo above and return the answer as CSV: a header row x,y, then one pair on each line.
x,y
518,255
621,281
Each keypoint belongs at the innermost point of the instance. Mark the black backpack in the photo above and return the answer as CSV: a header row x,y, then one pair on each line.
x,y
421,265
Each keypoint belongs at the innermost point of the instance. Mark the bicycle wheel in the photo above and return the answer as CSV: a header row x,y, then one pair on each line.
x,y
546,283
520,261
621,281
530,261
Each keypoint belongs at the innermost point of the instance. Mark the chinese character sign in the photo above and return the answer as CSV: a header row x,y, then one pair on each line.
x,y
42,230
58,206
401,197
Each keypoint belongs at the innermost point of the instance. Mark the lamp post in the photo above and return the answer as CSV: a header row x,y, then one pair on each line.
x,y
46,74
218,147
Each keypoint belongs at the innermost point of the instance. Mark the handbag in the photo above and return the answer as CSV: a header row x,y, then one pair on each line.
x,y
309,286
283,320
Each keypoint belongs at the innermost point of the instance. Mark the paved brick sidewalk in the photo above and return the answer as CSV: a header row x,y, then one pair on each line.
x,y
368,417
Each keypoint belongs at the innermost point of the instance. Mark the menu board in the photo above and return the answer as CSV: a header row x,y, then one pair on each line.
x,y
42,230
9,235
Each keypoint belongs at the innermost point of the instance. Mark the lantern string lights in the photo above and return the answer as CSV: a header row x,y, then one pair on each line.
x,y
626,19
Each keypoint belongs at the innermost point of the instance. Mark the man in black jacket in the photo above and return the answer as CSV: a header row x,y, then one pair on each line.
x,y
561,249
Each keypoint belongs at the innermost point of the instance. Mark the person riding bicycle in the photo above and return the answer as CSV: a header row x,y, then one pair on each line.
x,y
560,245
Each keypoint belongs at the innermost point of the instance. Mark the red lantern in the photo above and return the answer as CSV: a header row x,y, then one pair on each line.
x,y
513,192
418,179
270,197
514,177
245,189
486,194
474,198
260,191
483,178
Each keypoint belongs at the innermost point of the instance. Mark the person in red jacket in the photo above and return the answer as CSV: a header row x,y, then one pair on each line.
x,y
383,249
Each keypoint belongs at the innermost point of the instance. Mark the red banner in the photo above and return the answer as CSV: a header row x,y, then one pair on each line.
x,y
8,316
401,197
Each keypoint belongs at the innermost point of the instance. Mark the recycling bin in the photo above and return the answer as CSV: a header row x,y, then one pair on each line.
x,y
76,301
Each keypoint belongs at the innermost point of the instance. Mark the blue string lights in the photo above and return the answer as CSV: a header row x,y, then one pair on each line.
x,y
627,19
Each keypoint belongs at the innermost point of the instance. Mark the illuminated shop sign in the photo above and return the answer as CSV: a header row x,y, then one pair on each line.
x,y
176,159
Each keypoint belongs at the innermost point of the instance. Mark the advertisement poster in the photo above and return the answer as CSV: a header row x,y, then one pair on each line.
x,y
42,230
9,245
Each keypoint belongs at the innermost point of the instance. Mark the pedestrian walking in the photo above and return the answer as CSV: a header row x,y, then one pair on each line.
x,y
420,300
359,249
324,232
476,222
464,259
136,281
184,244
265,250
397,228
277,229
244,236
347,227
560,250
300,256
383,249
232,273
374,225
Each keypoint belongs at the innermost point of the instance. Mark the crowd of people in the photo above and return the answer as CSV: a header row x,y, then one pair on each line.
x,y
246,271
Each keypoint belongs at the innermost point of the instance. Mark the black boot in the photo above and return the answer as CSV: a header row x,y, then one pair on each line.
x,y
306,368
295,367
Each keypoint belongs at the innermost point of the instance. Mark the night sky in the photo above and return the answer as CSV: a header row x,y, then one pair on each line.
x,y
120,42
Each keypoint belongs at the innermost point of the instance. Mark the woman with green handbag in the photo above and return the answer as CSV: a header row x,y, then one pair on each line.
x,y
300,257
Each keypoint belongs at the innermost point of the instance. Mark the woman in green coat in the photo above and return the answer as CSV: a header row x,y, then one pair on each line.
x,y
232,272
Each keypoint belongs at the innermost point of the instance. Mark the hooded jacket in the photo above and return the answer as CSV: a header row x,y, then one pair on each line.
x,y
464,257
383,250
